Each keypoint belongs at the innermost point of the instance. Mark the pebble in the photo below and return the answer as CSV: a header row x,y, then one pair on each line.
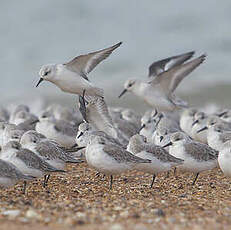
x,y
11,213
116,227
31,214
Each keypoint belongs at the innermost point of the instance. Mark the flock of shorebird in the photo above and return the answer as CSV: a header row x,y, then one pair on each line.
x,y
114,140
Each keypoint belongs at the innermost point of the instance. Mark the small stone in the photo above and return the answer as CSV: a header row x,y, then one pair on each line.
x,y
70,221
31,214
171,220
116,227
124,214
149,221
140,227
11,213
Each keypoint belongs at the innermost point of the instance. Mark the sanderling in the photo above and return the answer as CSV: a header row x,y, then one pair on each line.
x,y
158,93
197,156
13,135
216,135
58,130
163,65
64,113
225,115
224,158
10,175
199,122
186,120
110,159
96,113
86,132
26,161
47,150
130,116
161,160
72,77
16,110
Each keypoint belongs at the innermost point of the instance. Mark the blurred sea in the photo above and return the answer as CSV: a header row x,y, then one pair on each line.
x,y
34,33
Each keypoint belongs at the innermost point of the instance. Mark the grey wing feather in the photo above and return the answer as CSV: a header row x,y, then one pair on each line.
x,y
201,152
7,169
161,154
170,79
165,64
49,150
121,155
98,116
84,64
34,161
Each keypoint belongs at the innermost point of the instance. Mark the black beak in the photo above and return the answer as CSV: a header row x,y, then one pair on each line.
x,y
141,128
122,93
170,143
200,130
161,138
195,122
40,80
81,134
222,114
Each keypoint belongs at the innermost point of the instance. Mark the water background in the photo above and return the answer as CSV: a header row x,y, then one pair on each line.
x,y
33,33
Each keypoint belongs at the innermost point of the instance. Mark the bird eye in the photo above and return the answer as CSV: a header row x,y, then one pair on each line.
x,y
45,74
129,85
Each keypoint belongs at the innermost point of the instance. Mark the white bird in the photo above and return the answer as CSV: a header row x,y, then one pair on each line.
x,y
216,135
72,77
186,120
161,160
95,111
47,150
197,156
61,131
224,158
10,175
110,159
26,161
158,93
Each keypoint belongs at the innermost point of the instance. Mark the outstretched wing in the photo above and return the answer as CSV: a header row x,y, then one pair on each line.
x,y
84,64
165,64
170,79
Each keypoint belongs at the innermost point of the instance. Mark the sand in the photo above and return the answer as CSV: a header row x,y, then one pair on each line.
x,y
81,200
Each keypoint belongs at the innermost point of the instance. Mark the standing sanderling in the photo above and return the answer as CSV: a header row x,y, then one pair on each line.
x,y
110,159
10,175
197,156
26,161
161,160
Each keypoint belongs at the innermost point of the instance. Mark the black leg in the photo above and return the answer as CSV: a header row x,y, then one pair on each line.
x,y
97,174
48,177
111,182
44,181
153,179
175,171
195,179
24,187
